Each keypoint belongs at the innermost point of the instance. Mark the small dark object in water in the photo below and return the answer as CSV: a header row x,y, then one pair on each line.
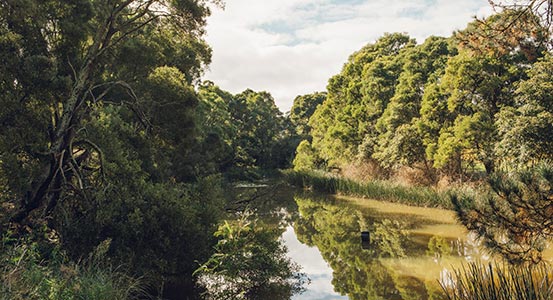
x,y
365,240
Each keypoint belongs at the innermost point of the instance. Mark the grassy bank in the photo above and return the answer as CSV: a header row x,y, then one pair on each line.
x,y
25,274
378,190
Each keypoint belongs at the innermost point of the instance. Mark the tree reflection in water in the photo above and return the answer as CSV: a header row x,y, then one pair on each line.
x,y
360,274
334,228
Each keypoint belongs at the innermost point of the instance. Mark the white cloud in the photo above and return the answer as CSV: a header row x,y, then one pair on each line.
x,y
292,47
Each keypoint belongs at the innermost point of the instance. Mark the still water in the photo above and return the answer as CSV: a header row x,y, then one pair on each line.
x,y
411,248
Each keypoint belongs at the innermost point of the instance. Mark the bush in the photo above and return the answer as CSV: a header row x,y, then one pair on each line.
x,y
250,262
26,274
161,231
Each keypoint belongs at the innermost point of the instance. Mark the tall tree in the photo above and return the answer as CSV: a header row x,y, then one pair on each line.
x,y
479,82
260,124
59,73
526,129
303,108
399,141
356,98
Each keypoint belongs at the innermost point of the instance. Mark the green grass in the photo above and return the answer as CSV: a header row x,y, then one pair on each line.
x,y
378,190
25,274
494,282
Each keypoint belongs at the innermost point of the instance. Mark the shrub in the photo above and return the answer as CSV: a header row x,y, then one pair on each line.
x,y
250,262
27,274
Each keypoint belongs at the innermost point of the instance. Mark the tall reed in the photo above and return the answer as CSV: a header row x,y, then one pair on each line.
x,y
378,190
477,281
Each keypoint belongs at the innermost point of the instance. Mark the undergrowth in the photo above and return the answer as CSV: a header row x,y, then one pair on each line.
x,y
26,274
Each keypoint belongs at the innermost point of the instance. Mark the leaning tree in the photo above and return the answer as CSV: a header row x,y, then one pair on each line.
x,y
56,60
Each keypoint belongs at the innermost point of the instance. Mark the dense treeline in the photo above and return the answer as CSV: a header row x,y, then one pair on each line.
x,y
457,107
114,155
108,137
476,106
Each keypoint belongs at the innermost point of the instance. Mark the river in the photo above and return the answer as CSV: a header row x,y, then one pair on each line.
x,y
411,250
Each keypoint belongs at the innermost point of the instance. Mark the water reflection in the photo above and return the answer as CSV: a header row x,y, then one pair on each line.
x,y
409,248
314,266
334,230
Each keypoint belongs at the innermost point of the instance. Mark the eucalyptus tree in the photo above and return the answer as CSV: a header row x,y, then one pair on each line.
x,y
400,141
356,98
479,82
60,68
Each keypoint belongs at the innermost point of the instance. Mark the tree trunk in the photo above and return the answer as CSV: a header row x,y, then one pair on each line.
x,y
48,188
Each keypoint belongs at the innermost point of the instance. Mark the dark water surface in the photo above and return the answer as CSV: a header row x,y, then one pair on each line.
x,y
411,248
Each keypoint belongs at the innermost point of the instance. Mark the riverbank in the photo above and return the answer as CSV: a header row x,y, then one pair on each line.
x,y
377,190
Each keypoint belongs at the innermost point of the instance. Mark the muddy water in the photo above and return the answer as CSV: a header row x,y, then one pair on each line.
x,y
411,248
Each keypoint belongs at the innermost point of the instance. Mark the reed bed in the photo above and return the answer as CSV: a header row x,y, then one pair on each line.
x,y
477,281
378,190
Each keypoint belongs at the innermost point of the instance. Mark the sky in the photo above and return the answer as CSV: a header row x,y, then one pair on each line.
x,y
292,47
314,266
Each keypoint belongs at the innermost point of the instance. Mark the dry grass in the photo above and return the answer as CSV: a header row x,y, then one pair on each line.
x,y
364,171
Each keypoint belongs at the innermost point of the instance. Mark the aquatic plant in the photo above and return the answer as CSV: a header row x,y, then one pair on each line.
x,y
378,190
250,263
477,281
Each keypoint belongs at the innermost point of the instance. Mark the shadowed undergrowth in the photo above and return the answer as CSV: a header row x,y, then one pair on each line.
x,y
25,274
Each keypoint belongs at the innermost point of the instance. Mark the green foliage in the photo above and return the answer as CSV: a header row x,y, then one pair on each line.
x,y
250,263
438,246
450,106
398,142
243,134
527,128
466,141
490,282
105,137
24,274
151,223
356,98
259,125
305,158
302,109
513,217
67,62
